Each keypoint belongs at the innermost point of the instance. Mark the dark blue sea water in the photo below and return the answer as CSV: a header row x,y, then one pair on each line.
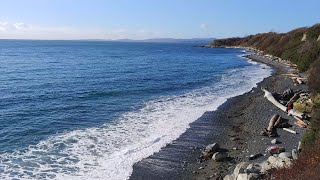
x,y
91,109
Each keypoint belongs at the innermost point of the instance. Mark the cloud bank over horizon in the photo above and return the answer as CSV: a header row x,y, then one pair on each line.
x,y
20,30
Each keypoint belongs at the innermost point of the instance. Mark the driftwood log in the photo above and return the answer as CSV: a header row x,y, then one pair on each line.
x,y
290,130
300,123
291,75
272,122
299,81
293,99
275,122
291,112
296,113
270,97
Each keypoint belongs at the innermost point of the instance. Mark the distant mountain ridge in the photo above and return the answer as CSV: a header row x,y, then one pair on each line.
x,y
171,40
301,46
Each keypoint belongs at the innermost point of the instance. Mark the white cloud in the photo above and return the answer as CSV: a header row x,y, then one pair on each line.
x,y
204,26
9,27
22,30
20,26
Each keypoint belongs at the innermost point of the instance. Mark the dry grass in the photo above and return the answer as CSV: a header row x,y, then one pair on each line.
x,y
306,167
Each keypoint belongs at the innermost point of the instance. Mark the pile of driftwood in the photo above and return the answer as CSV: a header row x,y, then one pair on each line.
x,y
297,79
285,102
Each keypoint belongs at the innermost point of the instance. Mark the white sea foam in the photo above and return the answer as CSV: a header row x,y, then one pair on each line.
x,y
109,152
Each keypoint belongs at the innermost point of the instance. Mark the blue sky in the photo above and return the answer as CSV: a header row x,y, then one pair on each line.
x,y
140,19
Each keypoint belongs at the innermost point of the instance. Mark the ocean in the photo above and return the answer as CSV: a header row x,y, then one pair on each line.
x,y
91,109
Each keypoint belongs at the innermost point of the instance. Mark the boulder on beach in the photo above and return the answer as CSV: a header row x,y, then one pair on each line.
x,y
251,176
285,155
279,162
255,156
209,151
253,168
240,168
212,148
230,177
275,141
220,156
294,154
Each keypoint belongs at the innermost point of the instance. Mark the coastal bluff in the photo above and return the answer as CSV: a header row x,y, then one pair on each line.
x,y
300,46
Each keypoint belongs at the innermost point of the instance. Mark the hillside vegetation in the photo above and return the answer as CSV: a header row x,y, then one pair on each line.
x,y
301,46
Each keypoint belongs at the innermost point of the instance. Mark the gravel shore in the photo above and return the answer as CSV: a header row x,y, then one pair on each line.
x,y
236,126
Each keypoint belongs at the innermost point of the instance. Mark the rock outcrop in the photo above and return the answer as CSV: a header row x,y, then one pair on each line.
x,y
304,37
247,171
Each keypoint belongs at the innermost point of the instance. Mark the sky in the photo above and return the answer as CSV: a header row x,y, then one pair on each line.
x,y
143,19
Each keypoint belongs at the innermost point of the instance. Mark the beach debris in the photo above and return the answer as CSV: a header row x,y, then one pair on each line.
x,y
275,141
255,156
275,150
219,156
290,130
201,167
294,154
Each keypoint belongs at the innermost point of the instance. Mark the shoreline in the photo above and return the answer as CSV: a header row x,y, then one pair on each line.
x,y
235,125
